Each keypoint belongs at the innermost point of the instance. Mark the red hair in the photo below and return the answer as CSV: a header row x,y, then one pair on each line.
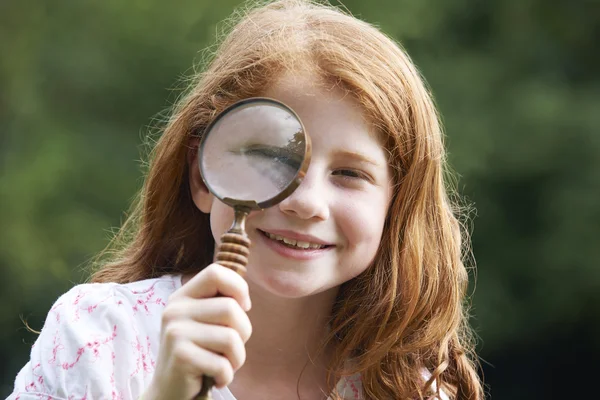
x,y
415,290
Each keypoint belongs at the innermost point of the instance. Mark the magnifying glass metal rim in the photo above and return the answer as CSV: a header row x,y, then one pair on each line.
x,y
295,182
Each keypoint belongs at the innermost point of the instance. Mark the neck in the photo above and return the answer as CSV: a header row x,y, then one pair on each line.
x,y
286,329
287,339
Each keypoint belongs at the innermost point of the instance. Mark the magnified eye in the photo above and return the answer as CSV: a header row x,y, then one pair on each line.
x,y
278,164
275,154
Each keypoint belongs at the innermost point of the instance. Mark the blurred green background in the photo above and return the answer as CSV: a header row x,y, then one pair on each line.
x,y
83,81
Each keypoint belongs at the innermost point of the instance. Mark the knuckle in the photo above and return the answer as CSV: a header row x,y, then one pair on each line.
x,y
247,332
239,359
231,339
212,273
232,307
172,297
169,314
173,332
225,371
245,287
180,354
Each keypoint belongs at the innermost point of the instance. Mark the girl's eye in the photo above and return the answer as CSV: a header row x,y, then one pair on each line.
x,y
350,173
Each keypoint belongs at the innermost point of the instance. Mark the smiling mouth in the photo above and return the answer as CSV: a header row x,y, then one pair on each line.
x,y
293,243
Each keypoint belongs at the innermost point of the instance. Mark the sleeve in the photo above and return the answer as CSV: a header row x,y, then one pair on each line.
x,y
86,350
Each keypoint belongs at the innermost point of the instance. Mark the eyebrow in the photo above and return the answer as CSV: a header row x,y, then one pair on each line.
x,y
356,156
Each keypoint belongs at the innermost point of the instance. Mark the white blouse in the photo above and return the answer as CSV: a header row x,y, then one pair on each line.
x,y
100,341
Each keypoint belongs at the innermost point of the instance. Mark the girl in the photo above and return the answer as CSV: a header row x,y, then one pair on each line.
x,y
372,310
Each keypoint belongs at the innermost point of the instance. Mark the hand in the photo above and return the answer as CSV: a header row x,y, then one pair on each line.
x,y
202,334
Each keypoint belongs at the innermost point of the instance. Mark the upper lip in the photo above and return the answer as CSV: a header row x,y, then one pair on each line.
x,y
297,236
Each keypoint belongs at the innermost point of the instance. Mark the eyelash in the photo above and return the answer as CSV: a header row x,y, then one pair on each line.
x,y
354,174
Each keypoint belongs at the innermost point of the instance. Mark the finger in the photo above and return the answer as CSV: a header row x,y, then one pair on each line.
x,y
196,361
215,338
224,341
216,279
223,311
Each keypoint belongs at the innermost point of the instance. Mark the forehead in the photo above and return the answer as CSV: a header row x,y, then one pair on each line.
x,y
324,108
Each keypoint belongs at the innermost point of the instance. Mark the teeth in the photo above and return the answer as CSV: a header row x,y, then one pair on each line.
x,y
289,241
296,243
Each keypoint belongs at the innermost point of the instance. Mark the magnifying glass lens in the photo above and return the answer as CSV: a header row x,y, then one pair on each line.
x,y
253,151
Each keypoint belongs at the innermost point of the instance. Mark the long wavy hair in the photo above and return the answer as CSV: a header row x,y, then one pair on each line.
x,y
415,339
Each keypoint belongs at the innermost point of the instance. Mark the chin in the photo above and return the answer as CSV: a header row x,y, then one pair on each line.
x,y
286,285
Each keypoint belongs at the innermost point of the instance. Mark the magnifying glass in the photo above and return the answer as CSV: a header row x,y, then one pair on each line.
x,y
253,155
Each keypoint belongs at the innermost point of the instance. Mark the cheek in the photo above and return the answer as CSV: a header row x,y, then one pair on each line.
x,y
221,217
361,221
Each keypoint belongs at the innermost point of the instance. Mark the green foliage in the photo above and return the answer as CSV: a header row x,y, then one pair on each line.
x,y
82,82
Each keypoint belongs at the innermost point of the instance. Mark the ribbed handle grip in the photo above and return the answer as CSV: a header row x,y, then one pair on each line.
x,y
232,253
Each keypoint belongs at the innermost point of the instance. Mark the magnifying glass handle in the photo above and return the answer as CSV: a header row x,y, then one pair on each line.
x,y
232,253
207,384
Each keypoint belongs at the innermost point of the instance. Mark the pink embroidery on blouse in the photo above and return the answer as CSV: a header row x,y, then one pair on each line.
x,y
149,289
144,360
115,393
72,397
31,387
55,349
93,307
143,302
57,314
351,384
80,295
40,377
352,381
90,345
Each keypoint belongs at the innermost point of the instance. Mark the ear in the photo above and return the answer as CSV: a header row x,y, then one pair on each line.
x,y
200,193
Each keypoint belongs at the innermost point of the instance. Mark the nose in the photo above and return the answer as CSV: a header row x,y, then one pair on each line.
x,y
309,200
